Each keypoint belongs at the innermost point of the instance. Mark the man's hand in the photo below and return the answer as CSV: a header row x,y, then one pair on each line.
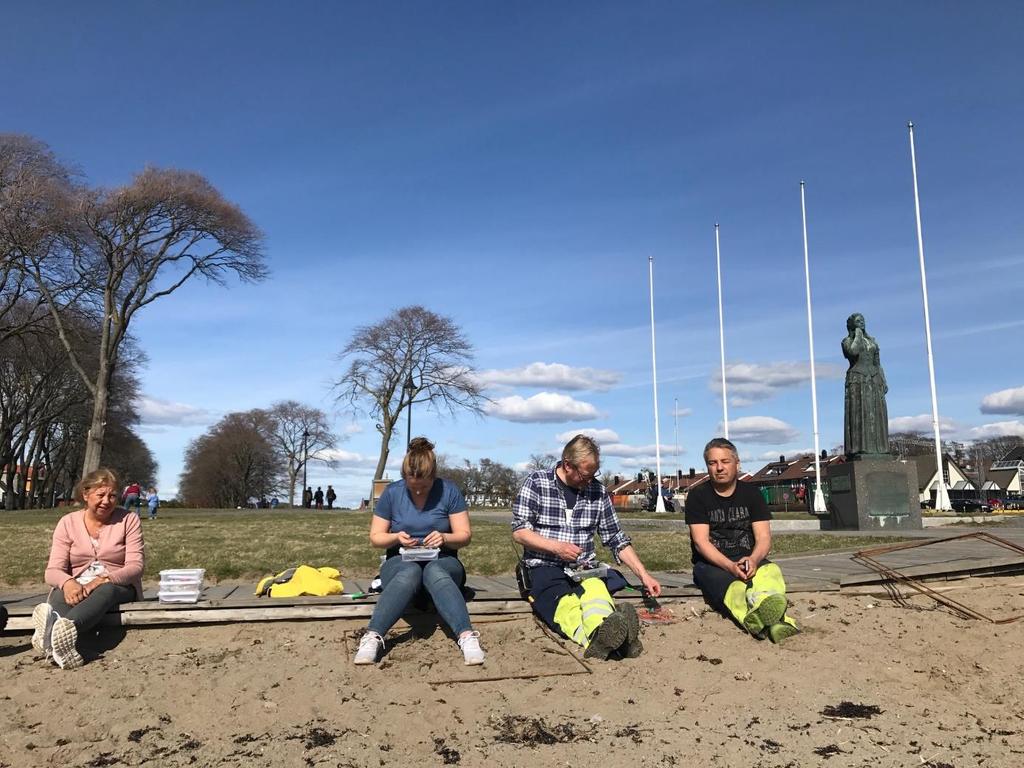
x,y
566,551
74,593
748,567
651,585
405,540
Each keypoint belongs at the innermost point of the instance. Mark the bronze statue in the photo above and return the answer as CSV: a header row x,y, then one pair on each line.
x,y
866,426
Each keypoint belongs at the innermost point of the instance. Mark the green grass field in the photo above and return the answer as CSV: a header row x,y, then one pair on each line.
x,y
247,544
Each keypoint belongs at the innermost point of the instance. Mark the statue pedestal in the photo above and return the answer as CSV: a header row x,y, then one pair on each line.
x,y
877,493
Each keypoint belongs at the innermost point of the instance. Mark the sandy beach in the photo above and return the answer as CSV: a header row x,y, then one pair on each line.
x,y
868,682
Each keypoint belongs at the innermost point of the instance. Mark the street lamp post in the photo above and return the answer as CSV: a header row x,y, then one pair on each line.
x,y
305,461
409,387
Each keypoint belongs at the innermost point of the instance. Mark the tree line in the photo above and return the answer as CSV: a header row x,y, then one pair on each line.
x,y
77,264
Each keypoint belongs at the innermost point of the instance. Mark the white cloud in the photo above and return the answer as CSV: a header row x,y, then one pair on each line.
x,y
682,412
550,375
344,458
750,383
761,429
153,411
1009,401
998,429
790,454
920,423
542,407
602,436
352,428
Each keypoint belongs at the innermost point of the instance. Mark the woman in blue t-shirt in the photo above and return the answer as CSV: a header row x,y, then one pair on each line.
x,y
420,510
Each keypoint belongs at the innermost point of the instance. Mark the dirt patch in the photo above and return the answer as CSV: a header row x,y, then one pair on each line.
x,y
533,731
847,709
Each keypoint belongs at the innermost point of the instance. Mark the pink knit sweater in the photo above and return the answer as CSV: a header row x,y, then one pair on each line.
x,y
120,549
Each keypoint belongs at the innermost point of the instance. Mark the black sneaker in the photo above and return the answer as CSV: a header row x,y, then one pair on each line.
x,y
607,637
632,647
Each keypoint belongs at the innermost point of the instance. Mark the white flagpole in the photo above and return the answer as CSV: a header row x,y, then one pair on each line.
x,y
819,497
721,335
675,414
941,497
660,503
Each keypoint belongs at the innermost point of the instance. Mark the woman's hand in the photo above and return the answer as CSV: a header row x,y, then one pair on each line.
x,y
94,584
405,540
433,539
74,593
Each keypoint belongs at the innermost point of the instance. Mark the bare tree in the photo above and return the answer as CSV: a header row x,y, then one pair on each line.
x,y
541,461
300,431
127,247
412,344
233,461
36,201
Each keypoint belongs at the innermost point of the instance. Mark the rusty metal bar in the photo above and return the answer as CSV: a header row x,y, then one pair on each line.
x,y
866,557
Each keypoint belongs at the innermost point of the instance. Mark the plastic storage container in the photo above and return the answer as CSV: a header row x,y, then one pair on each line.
x,y
418,554
181,585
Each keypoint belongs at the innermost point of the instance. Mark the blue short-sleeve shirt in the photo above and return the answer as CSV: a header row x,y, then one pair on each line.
x,y
396,505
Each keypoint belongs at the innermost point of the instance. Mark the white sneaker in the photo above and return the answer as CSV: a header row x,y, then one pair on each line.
x,y
64,637
471,650
43,617
370,646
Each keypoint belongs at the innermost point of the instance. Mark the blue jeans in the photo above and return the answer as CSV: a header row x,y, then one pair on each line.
x,y
401,581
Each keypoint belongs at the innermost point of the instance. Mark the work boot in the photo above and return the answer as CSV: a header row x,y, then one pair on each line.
x,y
608,636
768,612
632,647
779,632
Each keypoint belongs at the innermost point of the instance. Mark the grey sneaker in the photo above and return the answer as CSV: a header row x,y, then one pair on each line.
x,y
607,637
64,637
632,648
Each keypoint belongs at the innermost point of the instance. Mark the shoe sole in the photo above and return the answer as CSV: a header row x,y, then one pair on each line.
x,y
772,609
779,632
473,662
40,614
608,637
633,645
64,639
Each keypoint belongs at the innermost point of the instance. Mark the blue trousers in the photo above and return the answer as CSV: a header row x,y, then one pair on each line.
x,y
401,580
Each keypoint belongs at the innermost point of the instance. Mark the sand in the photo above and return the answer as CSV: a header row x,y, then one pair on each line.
x,y
868,683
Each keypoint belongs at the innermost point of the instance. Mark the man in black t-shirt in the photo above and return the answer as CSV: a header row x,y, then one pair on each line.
x,y
730,537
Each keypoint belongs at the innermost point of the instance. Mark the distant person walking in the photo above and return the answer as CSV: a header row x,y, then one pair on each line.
x,y
307,497
331,496
130,496
318,497
153,502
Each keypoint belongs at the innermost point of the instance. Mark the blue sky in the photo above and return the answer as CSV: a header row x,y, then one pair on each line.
x,y
514,165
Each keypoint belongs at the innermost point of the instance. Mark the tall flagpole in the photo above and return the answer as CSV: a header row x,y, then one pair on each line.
x,y
675,414
660,503
819,497
721,335
941,497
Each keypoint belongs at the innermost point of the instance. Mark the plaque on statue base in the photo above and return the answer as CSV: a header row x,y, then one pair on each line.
x,y
876,493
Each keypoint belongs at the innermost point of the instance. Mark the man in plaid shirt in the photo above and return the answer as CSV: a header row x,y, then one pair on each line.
x,y
554,518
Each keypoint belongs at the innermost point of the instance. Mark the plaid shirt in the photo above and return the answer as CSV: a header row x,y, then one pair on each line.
x,y
540,507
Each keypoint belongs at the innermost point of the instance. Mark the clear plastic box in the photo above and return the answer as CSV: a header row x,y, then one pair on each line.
x,y
183,586
418,554
179,597
173,575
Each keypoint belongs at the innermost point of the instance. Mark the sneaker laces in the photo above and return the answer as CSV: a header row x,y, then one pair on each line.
x,y
370,638
474,636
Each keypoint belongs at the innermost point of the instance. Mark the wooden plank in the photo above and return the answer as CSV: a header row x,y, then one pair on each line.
x,y
938,570
220,591
30,599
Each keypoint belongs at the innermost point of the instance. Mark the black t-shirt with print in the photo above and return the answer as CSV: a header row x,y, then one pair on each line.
x,y
730,518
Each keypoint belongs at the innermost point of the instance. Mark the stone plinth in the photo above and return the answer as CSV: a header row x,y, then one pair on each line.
x,y
874,494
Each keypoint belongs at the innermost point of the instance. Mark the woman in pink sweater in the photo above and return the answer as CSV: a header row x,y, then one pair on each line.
x,y
95,563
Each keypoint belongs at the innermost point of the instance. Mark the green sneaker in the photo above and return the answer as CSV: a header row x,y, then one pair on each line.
x,y
607,637
779,632
632,648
